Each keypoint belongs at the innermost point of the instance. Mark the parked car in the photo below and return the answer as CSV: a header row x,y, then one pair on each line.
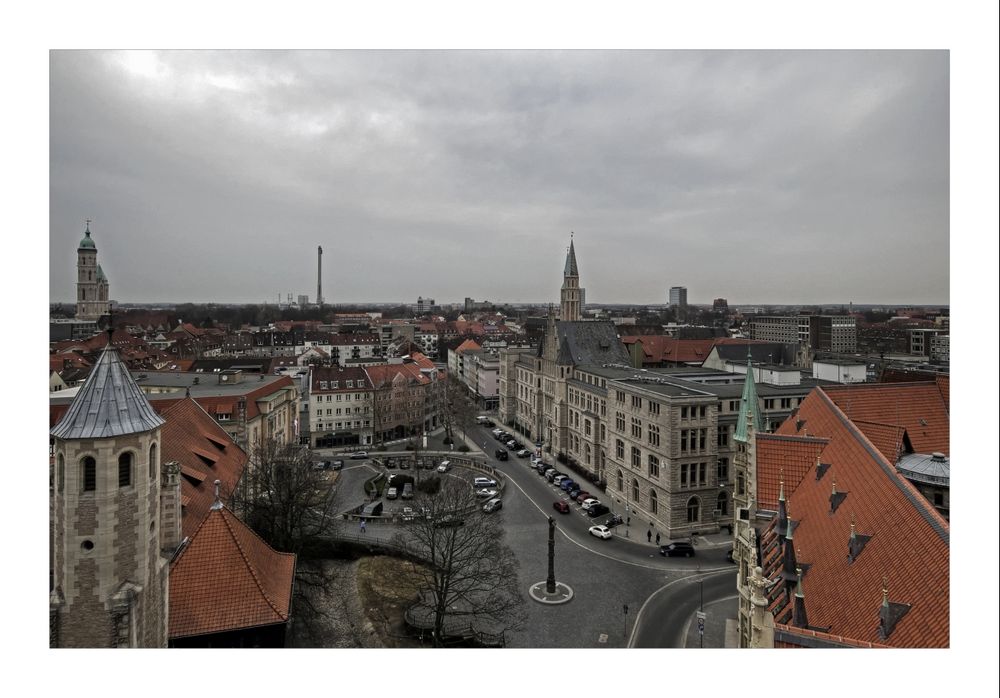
x,y
560,506
557,480
359,455
551,473
600,531
408,514
487,492
445,466
596,510
573,491
320,465
587,503
337,465
493,505
391,493
523,453
449,521
497,432
407,491
582,496
677,548
500,454
566,484
484,482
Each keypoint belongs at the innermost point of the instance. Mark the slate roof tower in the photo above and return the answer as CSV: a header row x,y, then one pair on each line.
x,y
109,581
571,296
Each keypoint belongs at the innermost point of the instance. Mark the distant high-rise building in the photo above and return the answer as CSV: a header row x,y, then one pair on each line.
x,y
678,296
91,283
303,301
720,305
319,275
423,305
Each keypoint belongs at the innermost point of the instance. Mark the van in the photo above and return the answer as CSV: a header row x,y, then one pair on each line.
x,y
407,491
484,482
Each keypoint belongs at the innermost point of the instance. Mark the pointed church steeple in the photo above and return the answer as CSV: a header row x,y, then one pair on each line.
x,y
748,403
781,526
571,295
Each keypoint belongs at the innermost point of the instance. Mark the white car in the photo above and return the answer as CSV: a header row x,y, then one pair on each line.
x,y
600,531
487,492
587,503
445,466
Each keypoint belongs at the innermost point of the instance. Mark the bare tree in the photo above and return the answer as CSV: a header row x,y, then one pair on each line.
x,y
283,497
459,408
468,578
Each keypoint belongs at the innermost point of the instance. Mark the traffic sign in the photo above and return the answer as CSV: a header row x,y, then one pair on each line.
x,y
700,615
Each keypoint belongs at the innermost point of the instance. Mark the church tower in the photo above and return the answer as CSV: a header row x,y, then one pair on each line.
x,y
110,570
571,296
91,283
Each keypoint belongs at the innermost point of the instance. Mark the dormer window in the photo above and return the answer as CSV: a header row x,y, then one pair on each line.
x,y
323,385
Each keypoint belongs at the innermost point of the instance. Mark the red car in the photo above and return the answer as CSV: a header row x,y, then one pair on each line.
x,y
582,496
561,506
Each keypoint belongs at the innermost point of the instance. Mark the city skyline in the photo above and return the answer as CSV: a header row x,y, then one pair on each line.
x,y
213,176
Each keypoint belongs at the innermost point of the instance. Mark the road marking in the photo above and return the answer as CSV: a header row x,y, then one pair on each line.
x,y
638,616
597,552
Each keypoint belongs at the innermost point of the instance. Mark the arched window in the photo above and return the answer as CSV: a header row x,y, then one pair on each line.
x,y
654,506
125,470
694,510
635,491
621,481
89,478
152,462
722,503
60,473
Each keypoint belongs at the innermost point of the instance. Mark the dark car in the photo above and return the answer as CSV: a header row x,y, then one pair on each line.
x,y
597,510
573,491
336,465
561,506
566,484
448,521
680,548
582,495
501,454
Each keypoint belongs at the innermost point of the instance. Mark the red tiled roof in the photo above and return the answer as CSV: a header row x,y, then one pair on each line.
x,y
783,458
190,437
228,578
887,438
467,345
909,542
920,408
660,348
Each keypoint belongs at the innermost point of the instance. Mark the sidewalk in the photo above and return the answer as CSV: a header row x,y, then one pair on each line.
x,y
637,534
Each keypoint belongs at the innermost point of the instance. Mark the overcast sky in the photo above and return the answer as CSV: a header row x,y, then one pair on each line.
x,y
761,177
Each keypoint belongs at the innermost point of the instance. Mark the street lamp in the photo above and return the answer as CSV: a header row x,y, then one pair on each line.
x,y
625,608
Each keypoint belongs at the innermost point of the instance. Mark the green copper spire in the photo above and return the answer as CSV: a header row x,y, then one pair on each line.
x,y
748,403
87,242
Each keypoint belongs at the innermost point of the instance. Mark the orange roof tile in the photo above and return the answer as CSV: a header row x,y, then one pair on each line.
x,y
228,578
783,458
921,408
909,545
190,437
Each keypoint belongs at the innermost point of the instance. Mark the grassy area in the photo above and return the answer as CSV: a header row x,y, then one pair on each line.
x,y
387,586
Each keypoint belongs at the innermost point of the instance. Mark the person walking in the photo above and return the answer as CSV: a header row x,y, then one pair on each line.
x,y
657,538
362,525
649,536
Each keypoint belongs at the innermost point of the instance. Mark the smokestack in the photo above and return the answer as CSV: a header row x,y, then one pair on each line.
x,y
319,276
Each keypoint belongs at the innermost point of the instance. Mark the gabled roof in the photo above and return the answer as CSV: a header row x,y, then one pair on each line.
x,y
760,352
467,345
227,578
909,542
587,342
205,452
920,408
109,404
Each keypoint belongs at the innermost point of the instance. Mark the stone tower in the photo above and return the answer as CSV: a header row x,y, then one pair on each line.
x,y
91,283
109,571
571,296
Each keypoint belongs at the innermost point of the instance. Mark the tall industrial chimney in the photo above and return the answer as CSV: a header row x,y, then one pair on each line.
x,y
319,276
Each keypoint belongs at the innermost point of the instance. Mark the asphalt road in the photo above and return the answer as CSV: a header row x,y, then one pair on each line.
x,y
667,617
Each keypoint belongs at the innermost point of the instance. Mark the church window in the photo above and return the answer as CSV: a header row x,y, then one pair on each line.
x,y
125,470
60,473
152,462
89,474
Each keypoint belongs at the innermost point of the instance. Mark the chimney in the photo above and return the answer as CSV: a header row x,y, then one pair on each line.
x,y
319,275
